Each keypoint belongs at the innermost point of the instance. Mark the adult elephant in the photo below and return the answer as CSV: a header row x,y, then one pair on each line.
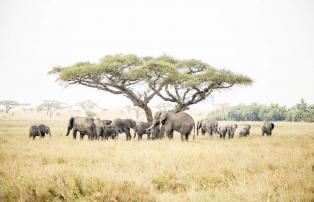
x,y
267,128
231,129
180,122
99,128
141,129
85,126
209,126
39,130
124,126
222,131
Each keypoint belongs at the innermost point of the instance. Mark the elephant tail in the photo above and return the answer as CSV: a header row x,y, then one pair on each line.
x,y
70,126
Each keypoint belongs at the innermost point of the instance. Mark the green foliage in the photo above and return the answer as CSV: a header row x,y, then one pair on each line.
x,y
50,106
90,114
88,106
9,104
258,112
140,79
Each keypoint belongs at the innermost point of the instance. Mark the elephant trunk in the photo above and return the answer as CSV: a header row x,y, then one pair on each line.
x,y
155,123
71,121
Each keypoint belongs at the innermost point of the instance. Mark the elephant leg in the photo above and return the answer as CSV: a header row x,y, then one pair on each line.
x,y
187,136
81,136
135,135
148,135
74,133
182,136
171,134
168,133
203,131
128,134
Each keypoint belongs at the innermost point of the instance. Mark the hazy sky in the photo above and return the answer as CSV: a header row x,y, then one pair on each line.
x,y
270,41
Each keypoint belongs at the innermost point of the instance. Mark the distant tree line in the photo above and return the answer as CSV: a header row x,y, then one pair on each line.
x,y
302,111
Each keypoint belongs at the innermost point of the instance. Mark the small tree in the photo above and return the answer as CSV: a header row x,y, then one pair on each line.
x,y
9,104
88,106
136,110
50,106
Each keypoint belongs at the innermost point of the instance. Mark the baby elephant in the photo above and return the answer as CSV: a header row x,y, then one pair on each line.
x,y
140,130
39,130
245,131
222,131
267,128
110,131
229,129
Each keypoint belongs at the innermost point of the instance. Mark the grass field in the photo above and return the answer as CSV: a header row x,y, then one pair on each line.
x,y
277,168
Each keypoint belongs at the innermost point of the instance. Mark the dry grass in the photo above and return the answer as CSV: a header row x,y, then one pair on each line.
x,y
277,168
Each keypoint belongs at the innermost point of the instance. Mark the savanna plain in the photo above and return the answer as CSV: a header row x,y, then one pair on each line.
x,y
256,168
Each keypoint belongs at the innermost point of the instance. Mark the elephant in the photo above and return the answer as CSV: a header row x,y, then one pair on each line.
x,y
85,126
107,122
140,130
110,131
231,129
157,133
124,126
222,131
210,126
245,131
267,128
180,122
99,128
39,130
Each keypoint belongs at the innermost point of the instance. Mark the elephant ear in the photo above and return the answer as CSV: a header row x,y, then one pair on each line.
x,y
272,125
163,117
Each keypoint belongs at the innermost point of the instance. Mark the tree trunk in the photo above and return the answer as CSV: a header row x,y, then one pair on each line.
x,y
148,113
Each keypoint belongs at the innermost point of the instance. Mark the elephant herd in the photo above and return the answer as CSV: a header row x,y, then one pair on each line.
x,y
164,122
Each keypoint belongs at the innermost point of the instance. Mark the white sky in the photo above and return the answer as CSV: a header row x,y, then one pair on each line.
x,y
270,41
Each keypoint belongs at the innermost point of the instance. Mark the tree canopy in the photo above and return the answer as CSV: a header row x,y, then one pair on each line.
x,y
50,106
9,104
89,108
259,112
140,79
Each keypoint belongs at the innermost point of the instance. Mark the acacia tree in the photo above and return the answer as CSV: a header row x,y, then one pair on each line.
x,y
9,104
50,106
138,111
88,106
140,79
